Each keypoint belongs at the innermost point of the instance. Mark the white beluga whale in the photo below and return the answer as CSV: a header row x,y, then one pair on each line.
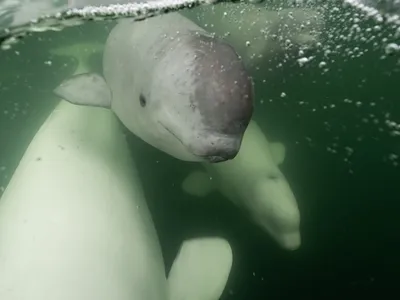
x,y
259,33
74,222
173,85
252,180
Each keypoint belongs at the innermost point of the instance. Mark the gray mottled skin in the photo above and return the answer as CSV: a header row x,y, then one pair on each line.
x,y
199,97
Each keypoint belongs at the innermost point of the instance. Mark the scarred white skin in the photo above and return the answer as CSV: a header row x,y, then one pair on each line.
x,y
253,181
74,223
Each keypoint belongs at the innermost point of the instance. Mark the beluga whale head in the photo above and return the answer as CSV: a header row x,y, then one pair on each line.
x,y
202,96
173,85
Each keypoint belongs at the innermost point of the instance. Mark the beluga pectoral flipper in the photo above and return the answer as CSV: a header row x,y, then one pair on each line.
x,y
173,85
201,269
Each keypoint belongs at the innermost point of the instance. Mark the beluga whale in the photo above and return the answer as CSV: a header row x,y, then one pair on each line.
x,y
172,84
253,181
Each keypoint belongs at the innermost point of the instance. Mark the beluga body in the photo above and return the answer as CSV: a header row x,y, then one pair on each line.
x,y
173,85
254,182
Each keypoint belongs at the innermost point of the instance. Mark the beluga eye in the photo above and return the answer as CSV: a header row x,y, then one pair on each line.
x,y
142,100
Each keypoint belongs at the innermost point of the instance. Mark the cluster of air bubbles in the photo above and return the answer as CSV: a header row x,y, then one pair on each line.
x,y
392,48
345,152
16,110
352,29
355,30
393,159
379,10
394,127
304,60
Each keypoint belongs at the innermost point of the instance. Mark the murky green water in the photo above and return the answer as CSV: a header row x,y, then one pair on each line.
x,y
336,114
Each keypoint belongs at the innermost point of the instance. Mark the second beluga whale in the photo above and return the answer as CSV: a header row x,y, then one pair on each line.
x,y
173,85
253,181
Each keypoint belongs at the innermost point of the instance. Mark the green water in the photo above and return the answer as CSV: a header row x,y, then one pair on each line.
x,y
341,164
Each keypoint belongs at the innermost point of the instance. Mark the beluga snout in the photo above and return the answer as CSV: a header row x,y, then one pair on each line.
x,y
172,84
222,95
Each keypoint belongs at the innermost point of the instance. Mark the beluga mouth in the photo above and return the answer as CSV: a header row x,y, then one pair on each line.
x,y
218,159
210,153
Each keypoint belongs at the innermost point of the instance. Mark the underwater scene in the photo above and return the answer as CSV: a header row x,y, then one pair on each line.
x,y
226,150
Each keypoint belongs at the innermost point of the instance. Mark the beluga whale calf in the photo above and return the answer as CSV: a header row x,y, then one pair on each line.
x,y
173,85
